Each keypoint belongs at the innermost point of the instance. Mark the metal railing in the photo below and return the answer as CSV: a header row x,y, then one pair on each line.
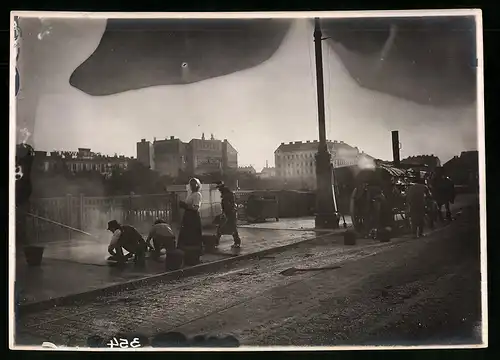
x,y
43,229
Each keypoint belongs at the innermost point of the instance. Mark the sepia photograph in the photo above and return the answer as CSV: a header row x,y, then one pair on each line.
x,y
246,181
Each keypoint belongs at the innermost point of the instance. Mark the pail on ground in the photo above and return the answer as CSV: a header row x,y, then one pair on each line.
x,y
191,257
349,238
384,235
34,255
174,260
209,242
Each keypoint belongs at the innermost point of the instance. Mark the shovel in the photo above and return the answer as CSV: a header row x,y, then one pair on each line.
x,y
293,271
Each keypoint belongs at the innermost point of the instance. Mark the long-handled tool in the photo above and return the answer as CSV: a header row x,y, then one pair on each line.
x,y
63,226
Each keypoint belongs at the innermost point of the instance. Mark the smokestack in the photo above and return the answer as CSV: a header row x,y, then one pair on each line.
x,y
395,148
267,164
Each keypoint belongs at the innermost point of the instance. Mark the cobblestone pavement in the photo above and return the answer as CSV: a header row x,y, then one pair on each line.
x,y
407,291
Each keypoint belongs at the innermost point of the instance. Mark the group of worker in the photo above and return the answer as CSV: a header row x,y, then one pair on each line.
x,y
426,197
161,237
422,199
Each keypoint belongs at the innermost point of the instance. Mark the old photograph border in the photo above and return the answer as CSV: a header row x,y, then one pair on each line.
x,y
476,13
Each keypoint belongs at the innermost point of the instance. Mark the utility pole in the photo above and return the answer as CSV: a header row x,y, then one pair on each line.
x,y
395,148
326,213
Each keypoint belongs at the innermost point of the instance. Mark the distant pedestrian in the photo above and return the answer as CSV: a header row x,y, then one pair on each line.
x,y
416,198
162,236
443,190
190,236
229,218
126,237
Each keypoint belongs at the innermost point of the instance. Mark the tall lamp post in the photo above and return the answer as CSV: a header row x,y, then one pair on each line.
x,y
326,213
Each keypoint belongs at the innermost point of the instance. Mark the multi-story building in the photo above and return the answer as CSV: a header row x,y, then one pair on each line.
x,y
211,155
170,156
145,153
247,170
205,155
464,169
229,156
295,161
429,162
267,172
77,161
198,156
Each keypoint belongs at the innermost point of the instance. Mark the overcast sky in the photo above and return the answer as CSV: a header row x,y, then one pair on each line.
x,y
255,109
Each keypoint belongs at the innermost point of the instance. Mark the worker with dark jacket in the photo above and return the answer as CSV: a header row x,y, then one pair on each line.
x,y
126,237
443,190
228,220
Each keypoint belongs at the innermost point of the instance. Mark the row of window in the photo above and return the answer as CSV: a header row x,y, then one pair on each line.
x,y
295,156
295,165
208,146
95,167
336,162
295,172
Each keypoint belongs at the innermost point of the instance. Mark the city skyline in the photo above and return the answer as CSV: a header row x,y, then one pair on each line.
x,y
275,102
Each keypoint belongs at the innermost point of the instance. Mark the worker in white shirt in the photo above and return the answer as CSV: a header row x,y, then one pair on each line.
x,y
128,238
162,236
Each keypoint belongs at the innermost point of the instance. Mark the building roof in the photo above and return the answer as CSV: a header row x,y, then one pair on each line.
x,y
268,169
311,145
466,158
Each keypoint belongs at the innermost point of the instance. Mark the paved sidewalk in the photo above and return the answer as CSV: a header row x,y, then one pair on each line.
x,y
79,266
302,224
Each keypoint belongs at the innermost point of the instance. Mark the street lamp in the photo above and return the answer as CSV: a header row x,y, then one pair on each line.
x,y
326,213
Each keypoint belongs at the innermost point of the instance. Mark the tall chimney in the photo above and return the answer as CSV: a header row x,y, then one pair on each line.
x,y
267,164
395,148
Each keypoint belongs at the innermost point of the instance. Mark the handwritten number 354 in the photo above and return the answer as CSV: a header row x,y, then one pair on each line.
x,y
124,343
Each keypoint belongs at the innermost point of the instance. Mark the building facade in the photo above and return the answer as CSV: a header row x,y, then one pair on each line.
x,y
295,161
205,156
171,156
78,161
145,154
229,156
429,162
268,173
464,169
250,170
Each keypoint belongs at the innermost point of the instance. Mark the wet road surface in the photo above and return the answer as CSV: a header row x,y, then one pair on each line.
x,y
408,292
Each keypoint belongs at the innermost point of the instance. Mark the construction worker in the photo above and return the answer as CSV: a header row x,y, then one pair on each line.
x,y
228,219
416,198
126,237
162,236
443,190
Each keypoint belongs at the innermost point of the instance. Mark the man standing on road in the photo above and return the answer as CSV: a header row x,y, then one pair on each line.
x,y
128,238
416,200
162,236
443,190
229,218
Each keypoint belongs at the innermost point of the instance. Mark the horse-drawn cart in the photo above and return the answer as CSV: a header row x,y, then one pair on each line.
x,y
379,199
